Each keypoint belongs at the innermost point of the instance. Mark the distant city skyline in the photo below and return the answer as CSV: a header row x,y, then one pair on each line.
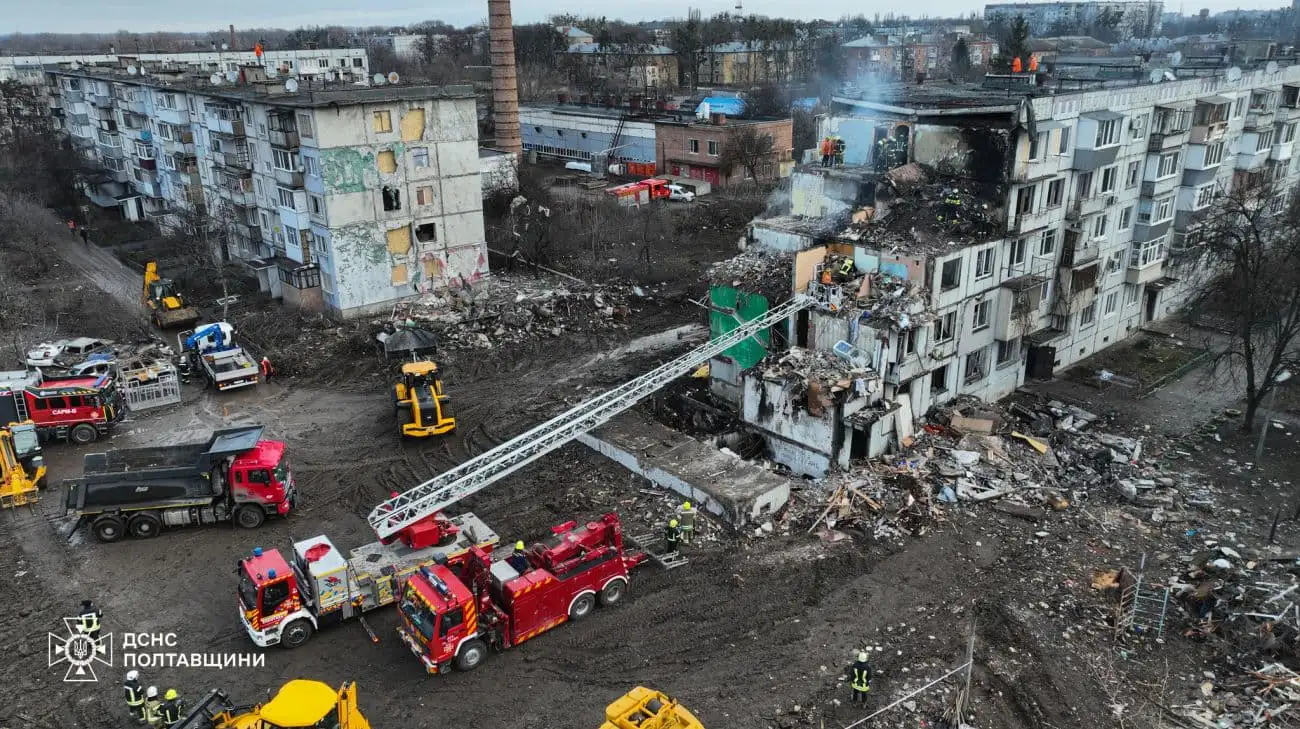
x,y
146,16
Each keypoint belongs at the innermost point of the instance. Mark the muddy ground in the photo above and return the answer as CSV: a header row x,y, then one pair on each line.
x,y
755,632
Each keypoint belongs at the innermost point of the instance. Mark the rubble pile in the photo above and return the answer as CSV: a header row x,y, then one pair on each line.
x,y
1030,458
515,309
826,378
755,271
919,205
874,298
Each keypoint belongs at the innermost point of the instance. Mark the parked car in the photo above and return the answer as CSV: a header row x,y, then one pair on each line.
x,y
677,192
42,355
76,350
96,365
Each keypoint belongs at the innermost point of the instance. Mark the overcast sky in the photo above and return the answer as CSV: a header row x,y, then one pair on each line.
x,y
90,16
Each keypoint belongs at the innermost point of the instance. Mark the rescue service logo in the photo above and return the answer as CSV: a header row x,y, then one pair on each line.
x,y
80,650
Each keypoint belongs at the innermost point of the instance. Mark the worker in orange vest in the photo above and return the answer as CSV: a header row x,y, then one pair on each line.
x,y
827,151
1033,64
1016,66
267,370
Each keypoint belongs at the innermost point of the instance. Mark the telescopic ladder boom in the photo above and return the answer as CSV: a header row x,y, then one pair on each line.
x,y
448,487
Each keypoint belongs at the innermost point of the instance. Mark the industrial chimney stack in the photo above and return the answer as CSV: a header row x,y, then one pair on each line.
x,y
505,84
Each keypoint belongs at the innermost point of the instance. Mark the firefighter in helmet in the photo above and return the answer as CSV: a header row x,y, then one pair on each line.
x,y
518,559
171,708
672,536
859,675
88,621
152,707
134,696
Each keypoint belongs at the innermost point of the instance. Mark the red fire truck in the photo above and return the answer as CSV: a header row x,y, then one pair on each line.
x,y
453,613
75,408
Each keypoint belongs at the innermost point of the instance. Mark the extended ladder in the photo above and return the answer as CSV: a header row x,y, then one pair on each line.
x,y
452,485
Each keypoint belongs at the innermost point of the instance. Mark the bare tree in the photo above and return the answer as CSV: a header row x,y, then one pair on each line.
x,y
1247,252
747,148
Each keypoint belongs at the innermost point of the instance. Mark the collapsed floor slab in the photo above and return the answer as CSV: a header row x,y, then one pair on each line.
x,y
736,491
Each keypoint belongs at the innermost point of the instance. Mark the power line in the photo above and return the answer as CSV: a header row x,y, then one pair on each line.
x,y
908,696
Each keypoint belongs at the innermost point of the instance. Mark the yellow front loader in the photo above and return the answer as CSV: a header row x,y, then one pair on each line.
x,y
297,705
422,407
166,306
643,708
21,468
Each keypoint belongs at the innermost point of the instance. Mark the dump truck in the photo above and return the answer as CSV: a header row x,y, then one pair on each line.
x,y
643,708
422,408
235,475
79,409
22,467
298,703
452,614
166,306
211,350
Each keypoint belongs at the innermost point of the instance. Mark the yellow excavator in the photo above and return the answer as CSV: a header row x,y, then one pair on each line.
x,y
643,708
422,407
22,467
165,304
297,705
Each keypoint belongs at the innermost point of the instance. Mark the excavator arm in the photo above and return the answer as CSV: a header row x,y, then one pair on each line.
x,y
429,498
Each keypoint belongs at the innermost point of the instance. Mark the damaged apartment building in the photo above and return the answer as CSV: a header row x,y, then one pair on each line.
x,y
973,238
339,198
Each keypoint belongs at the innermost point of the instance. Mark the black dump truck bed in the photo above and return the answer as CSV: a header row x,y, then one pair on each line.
x,y
157,477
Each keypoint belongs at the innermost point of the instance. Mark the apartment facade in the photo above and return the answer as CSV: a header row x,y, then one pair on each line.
x,y
341,199
1130,18
342,63
1104,192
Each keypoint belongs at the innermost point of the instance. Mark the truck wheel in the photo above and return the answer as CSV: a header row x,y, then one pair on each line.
x,y
296,633
582,606
83,433
250,516
144,526
471,655
108,528
613,592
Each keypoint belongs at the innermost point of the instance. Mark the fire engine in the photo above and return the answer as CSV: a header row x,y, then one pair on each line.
x,y
452,614
284,602
79,409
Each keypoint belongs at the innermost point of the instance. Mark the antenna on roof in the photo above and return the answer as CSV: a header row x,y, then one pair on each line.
x,y
393,77
291,85
1234,73
379,79
132,70
215,79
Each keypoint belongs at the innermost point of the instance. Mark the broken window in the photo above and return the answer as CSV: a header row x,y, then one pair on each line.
x,y
1133,175
399,241
382,122
1025,200
939,381
387,161
1083,189
1008,350
950,276
980,315
420,157
392,198
316,204
426,232
974,370
1055,191
412,125
424,195
945,327
1047,244
906,343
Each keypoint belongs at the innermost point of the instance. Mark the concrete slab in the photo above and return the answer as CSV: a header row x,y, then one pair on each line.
x,y
737,492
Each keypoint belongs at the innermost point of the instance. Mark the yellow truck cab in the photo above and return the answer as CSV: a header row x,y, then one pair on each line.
x,y
643,708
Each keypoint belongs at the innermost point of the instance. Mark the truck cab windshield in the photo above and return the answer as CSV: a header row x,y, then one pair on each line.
x,y
421,617
25,441
247,590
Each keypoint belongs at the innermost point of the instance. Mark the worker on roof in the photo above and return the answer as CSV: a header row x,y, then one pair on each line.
x,y
846,269
827,151
672,536
152,707
1016,65
171,708
1033,63
859,675
839,152
686,518
134,695
88,621
518,559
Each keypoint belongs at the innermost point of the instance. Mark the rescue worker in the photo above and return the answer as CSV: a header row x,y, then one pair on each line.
x,y
268,371
827,278
134,695
686,517
859,675
88,621
827,151
85,237
1033,63
171,708
72,227
839,153
882,155
846,269
672,536
518,559
152,707
1016,65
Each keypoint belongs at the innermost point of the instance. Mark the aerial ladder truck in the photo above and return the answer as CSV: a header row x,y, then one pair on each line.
x,y
284,601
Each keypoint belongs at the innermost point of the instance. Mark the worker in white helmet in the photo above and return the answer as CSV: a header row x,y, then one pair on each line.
x,y
134,695
859,675
686,517
152,707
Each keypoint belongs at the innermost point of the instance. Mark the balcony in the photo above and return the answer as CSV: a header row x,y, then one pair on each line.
x,y
72,96
1077,287
1078,251
281,138
1031,220
110,151
1145,274
288,178
182,143
236,160
911,367
1163,141
237,191
1086,206
1282,152
1207,133
134,105
103,101
169,115
148,163
297,219
147,188
224,123
1029,170
1252,160
249,232
1258,119
1151,188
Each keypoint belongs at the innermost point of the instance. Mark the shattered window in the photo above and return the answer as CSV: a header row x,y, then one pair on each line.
x,y
975,366
1055,191
950,276
1108,177
1088,316
1008,350
939,380
945,327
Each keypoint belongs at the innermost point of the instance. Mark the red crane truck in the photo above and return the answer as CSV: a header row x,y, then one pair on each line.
x,y
453,613
79,409
233,476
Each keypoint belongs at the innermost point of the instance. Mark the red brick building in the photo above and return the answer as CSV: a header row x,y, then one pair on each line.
x,y
694,149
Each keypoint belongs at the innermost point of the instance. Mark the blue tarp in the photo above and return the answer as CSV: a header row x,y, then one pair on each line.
x,y
729,105
807,104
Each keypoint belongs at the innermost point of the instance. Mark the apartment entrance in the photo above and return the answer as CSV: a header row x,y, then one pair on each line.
x,y
1149,311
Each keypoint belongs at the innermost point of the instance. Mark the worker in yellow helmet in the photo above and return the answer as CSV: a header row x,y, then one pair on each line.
x,y
672,536
518,559
686,517
171,708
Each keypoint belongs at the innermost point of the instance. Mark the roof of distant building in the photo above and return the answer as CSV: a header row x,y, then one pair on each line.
x,y
867,42
729,105
622,49
744,47
572,32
